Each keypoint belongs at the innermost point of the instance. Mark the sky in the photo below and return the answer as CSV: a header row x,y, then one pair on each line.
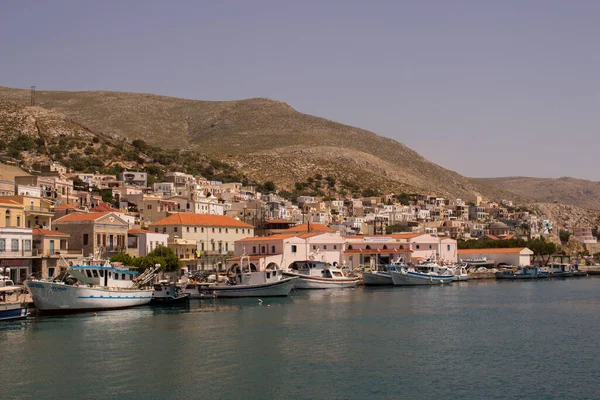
x,y
484,88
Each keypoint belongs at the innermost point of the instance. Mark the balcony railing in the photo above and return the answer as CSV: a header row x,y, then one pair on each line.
x,y
38,208
17,253
59,252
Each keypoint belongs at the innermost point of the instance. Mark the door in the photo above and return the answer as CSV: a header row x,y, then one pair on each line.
x,y
52,247
110,242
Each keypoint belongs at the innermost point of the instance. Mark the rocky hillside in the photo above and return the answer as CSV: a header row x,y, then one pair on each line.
x,y
566,216
266,139
577,192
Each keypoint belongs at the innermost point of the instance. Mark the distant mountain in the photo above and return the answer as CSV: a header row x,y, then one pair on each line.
x,y
577,192
266,139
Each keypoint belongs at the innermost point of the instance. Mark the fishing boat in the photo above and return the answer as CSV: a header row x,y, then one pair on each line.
x,y
243,282
382,275
519,273
168,294
578,272
91,286
460,273
425,274
557,270
12,300
319,275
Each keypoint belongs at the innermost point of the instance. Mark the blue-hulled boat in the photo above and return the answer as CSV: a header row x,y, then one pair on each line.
x,y
11,305
519,273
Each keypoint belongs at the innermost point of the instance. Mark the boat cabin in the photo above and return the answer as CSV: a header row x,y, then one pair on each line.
x,y
102,275
558,268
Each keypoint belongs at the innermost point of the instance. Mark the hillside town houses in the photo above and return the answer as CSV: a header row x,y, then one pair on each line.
x,y
56,216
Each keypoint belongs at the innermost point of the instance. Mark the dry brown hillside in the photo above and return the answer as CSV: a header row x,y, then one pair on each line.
x,y
577,192
267,139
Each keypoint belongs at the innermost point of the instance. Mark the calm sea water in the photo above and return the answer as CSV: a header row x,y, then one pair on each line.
x,y
503,340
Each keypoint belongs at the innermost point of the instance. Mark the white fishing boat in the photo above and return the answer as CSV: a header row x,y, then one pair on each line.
x,y
460,272
91,286
319,275
168,294
426,274
243,282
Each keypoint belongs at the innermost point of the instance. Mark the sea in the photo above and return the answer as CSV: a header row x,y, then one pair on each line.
x,y
468,340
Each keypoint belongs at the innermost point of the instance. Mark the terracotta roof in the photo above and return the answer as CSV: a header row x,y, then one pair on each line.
x,y
201,220
104,207
10,202
492,251
279,221
46,232
377,251
81,217
507,237
405,235
64,207
267,238
138,230
491,237
313,227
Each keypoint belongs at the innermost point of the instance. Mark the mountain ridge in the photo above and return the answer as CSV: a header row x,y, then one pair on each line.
x,y
267,138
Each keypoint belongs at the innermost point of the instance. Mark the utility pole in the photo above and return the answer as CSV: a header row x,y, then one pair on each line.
x,y
33,95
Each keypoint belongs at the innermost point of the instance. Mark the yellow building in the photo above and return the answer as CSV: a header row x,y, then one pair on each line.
x,y
37,211
15,240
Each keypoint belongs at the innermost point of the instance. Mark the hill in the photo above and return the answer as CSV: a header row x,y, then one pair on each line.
x,y
266,139
577,192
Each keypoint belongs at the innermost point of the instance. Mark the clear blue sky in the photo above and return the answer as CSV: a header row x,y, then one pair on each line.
x,y
486,88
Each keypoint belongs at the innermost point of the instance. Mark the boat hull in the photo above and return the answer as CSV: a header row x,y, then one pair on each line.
x,y
12,311
377,279
164,301
57,297
313,282
417,279
461,278
276,289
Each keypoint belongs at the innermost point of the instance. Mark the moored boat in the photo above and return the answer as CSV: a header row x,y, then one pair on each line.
x,y
459,272
557,270
382,275
319,275
168,294
12,303
89,287
519,273
427,274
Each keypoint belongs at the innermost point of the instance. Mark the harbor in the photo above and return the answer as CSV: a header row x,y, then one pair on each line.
x,y
382,342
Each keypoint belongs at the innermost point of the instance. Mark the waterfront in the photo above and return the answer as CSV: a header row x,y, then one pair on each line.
x,y
535,340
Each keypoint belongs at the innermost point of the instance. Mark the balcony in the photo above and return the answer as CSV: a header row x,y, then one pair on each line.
x,y
57,253
18,253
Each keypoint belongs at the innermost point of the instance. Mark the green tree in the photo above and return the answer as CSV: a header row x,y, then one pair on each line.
x,y
564,235
269,186
124,258
165,257
107,195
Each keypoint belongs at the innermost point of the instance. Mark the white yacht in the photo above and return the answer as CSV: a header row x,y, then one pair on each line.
x,y
90,286
425,274
319,275
460,272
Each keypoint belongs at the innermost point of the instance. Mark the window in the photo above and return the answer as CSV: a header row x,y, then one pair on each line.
x,y
418,247
95,273
27,245
174,229
88,273
187,229
294,248
213,230
314,247
14,244
101,272
226,230
195,229
202,246
156,230
272,249
18,221
324,247
430,246
149,206
164,229
122,276
253,249
263,249
7,219
2,244
202,229
86,239
116,276
226,246
237,231
448,247
335,246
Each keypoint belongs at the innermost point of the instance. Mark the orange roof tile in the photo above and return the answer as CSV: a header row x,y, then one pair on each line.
x,y
46,232
73,217
138,230
405,235
314,227
266,238
10,202
377,251
201,220
104,207
279,221
492,251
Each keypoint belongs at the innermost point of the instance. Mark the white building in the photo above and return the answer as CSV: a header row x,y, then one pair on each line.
x,y
510,256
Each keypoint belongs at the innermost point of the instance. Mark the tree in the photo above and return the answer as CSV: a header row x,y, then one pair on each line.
x,y
107,195
564,235
164,256
124,258
269,186
139,144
